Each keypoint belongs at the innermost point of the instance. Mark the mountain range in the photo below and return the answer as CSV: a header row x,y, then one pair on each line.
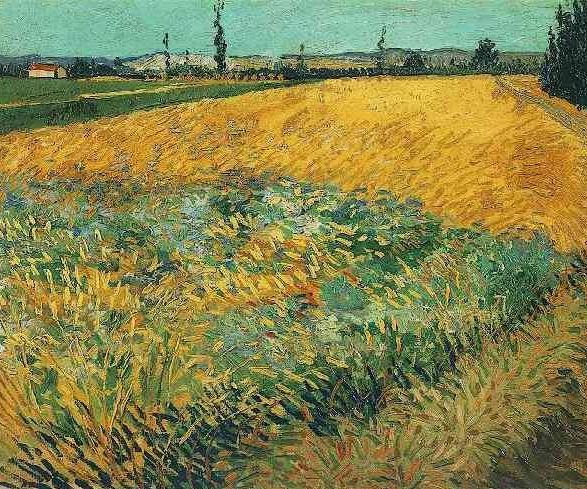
x,y
156,61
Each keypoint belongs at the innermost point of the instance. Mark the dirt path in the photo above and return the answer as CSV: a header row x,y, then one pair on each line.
x,y
104,95
576,122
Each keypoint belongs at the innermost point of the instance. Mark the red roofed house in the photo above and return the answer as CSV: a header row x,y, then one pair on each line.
x,y
39,70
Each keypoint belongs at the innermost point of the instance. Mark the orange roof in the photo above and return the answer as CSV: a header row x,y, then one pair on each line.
x,y
43,67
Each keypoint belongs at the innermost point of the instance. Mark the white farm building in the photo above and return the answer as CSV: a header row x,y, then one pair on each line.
x,y
47,71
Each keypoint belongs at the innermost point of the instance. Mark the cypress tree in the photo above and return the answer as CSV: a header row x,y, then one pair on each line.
x,y
166,54
302,61
551,69
220,38
380,61
564,73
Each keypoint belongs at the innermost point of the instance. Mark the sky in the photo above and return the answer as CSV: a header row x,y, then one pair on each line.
x,y
268,27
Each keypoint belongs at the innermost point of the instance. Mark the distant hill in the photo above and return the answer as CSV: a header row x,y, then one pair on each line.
x,y
60,60
436,57
156,61
443,56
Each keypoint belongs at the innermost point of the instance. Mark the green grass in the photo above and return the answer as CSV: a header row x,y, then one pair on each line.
x,y
26,90
176,335
63,113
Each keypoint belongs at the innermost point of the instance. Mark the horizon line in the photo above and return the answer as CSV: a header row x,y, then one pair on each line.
x,y
182,53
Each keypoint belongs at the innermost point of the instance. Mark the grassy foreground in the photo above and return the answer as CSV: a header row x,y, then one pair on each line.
x,y
28,117
253,332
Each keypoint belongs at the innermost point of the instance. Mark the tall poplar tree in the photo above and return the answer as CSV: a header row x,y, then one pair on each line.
x,y
166,54
219,38
380,61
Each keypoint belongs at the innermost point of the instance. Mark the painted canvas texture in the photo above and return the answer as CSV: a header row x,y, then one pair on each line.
x,y
288,244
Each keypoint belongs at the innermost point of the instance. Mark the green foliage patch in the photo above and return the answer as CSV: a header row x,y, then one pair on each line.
x,y
61,113
176,334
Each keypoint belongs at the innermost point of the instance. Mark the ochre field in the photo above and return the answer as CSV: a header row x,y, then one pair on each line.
x,y
470,148
167,322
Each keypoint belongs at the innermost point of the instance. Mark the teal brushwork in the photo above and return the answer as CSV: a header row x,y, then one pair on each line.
x,y
269,27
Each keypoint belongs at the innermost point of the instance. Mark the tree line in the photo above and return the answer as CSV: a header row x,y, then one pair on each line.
x,y
564,72
486,59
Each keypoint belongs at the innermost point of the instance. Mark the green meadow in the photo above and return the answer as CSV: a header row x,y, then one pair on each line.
x,y
28,90
261,332
57,108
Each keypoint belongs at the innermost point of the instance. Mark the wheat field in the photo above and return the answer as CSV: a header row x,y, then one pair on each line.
x,y
188,300
471,150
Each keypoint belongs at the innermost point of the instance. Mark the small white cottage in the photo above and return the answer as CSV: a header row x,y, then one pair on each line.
x,y
47,71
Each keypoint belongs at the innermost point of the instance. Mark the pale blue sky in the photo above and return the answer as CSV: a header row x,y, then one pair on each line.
x,y
127,27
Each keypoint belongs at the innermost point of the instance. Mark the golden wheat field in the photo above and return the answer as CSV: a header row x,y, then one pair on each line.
x,y
167,322
468,147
